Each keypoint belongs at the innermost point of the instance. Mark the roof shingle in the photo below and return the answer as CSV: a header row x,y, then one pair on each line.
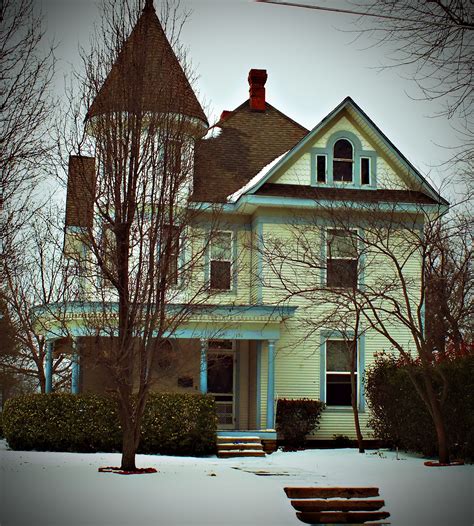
x,y
249,141
147,76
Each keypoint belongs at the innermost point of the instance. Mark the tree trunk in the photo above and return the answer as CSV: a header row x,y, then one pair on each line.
x,y
438,421
129,448
355,410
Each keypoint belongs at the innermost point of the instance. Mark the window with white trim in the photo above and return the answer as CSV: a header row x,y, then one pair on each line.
x,y
338,372
174,148
221,261
341,260
321,169
365,171
343,162
170,252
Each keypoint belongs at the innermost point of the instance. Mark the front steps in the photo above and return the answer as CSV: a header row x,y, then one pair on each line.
x,y
336,505
231,446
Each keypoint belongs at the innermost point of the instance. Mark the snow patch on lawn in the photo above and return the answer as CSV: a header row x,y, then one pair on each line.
x,y
66,489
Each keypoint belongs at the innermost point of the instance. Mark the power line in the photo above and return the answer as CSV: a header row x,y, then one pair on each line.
x,y
361,13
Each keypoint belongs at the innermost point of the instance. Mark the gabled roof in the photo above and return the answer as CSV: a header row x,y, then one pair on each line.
x,y
348,104
147,76
249,141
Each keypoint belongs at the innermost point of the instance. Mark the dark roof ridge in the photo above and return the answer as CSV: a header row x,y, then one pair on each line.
x,y
232,113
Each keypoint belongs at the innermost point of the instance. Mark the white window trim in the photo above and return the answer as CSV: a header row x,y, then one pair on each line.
x,y
231,260
370,171
326,372
325,168
352,161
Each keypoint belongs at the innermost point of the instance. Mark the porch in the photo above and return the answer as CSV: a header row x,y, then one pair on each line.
x,y
226,351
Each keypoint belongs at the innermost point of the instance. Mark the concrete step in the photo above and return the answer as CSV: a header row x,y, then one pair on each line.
x,y
341,517
227,439
337,505
332,492
239,453
240,446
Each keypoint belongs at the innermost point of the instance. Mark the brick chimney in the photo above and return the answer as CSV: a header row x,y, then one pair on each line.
x,y
257,79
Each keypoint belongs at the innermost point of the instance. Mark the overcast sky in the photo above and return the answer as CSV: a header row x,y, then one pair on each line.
x,y
312,62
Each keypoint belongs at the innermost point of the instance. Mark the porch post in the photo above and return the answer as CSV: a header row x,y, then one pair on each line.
x,y
75,368
203,367
271,385
48,370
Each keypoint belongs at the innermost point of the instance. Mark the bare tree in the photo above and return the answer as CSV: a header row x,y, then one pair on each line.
x,y
35,275
139,249
436,38
381,279
27,68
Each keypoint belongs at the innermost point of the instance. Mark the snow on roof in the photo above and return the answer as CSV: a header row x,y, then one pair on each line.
x,y
213,132
255,180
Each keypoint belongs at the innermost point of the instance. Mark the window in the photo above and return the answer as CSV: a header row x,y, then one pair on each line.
x,y
341,261
174,149
365,170
342,167
170,252
108,253
321,168
221,261
338,370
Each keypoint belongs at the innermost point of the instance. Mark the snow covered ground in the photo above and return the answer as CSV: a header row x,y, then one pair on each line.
x,y
48,489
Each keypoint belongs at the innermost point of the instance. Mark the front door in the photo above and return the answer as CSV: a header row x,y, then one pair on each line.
x,y
220,381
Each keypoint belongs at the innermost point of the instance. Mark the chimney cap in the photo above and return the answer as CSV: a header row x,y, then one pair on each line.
x,y
258,76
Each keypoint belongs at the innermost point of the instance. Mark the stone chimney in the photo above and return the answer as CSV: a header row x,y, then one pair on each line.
x,y
257,79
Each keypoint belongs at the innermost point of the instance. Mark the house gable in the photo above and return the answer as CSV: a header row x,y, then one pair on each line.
x,y
384,167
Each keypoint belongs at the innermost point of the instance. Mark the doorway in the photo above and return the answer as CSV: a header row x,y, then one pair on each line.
x,y
221,380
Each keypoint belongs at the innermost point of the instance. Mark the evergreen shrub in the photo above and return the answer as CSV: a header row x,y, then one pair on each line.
x,y
297,418
179,424
401,418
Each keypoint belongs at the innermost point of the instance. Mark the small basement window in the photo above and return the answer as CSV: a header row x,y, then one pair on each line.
x,y
221,261
365,170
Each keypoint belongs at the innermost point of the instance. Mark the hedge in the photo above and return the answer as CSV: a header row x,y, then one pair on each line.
x,y
297,418
400,417
178,424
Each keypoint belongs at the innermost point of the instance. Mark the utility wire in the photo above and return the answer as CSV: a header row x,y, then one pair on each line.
x,y
361,13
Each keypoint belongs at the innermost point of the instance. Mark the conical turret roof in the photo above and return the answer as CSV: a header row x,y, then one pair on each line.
x,y
147,76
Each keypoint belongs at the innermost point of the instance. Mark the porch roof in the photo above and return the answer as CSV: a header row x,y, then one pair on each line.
x,y
239,322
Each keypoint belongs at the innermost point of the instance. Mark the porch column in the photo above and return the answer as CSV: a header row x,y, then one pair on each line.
x,y
203,367
271,385
75,368
48,369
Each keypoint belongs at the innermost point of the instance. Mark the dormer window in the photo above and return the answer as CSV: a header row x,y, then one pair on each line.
x,y
343,161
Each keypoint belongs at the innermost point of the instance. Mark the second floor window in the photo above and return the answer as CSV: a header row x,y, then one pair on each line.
x,y
343,161
170,252
341,263
174,148
221,261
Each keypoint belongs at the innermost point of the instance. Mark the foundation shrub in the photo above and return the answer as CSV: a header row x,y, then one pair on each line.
x,y
297,418
400,417
173,423
179,424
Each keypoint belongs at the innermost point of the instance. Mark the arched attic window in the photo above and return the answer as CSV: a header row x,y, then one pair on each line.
x,y
343,161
